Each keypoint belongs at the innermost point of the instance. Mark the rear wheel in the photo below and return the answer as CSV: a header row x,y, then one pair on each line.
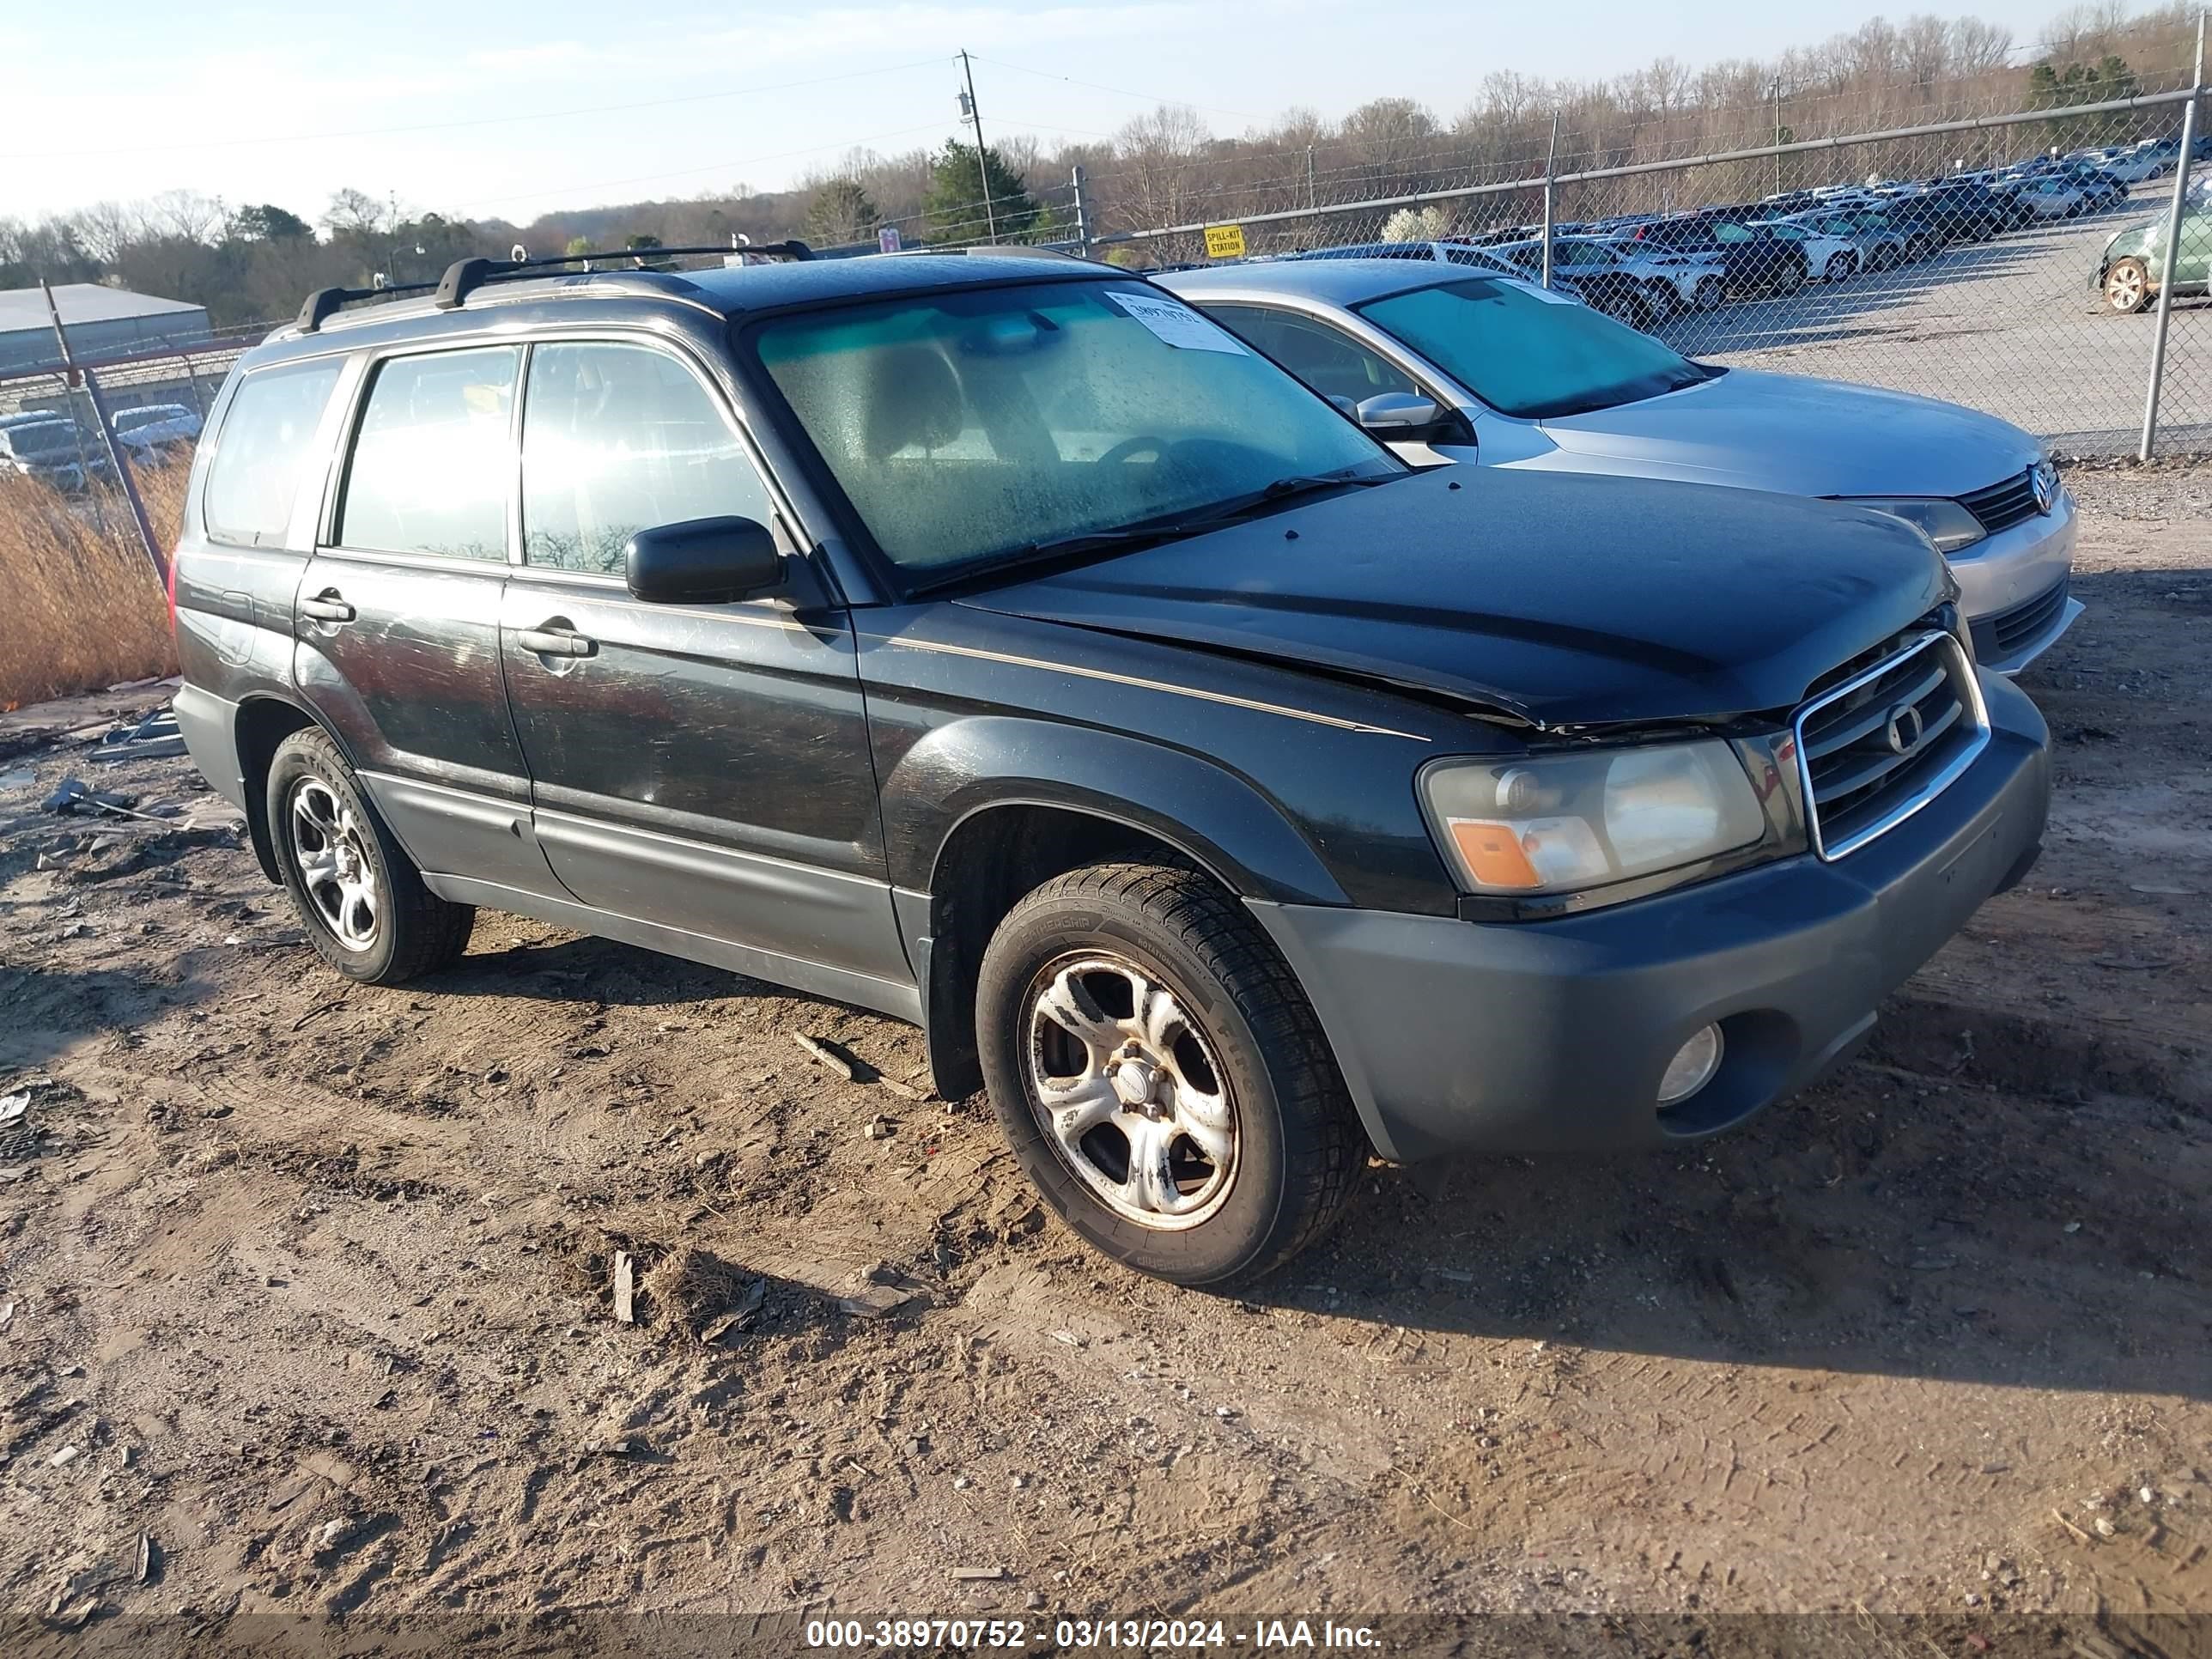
x,y
1660,296
1842,267
1710,294
1916,248
359,896
1161,1076
2127,285
1790,276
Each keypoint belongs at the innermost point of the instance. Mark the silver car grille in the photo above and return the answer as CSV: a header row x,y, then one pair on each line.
x,y
1877,748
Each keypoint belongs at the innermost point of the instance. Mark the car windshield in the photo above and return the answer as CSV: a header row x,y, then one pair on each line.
x,y
982,424
1528,354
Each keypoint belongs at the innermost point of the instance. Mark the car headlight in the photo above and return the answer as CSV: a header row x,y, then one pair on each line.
x,y
1945,523
1555,824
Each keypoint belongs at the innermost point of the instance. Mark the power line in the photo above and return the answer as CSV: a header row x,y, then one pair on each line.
x,y
1119,92
716,166
478,121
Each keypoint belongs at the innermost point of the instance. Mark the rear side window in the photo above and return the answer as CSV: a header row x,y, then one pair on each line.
x,y
262,451
616,438
433,460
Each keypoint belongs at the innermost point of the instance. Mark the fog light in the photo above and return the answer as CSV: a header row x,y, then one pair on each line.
x,y
1692,1068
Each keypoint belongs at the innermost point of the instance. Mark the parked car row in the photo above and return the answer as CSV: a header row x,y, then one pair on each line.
x,y
1647,268
55,450
1016,647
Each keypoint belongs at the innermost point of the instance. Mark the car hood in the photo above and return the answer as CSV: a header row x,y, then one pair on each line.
x,y
1558,601
1800,436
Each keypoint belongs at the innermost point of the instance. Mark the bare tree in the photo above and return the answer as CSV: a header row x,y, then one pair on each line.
x,y
185,214
1159,155
1976,47
354,212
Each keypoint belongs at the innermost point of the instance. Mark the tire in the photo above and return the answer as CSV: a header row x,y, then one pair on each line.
x,y
358,894
1841,268
1791,277
1915,249
2126,287
1663,300
1710,294
1104,945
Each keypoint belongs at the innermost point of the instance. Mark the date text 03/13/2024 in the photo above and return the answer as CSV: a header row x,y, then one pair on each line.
x,y
1167,1635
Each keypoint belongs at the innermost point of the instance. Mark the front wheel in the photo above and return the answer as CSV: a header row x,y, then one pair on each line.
x,y
1710,294
2127,285
1841,267
1161,1076
1789,277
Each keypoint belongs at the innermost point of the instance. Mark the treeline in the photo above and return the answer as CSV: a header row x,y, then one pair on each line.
x,y
255,263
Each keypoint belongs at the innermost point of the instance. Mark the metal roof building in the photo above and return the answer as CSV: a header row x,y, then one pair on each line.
x,y
101,322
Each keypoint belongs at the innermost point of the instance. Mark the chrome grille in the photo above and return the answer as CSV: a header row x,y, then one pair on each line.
x,y
1999,636
2004,504
1885,742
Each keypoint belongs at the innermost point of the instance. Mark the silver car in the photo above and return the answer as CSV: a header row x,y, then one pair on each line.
x,y
1448,365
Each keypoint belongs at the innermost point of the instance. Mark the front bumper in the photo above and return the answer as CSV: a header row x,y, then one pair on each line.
x,y
2003,577
1551,1036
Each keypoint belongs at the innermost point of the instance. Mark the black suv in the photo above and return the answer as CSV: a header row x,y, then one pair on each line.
x,y
995,642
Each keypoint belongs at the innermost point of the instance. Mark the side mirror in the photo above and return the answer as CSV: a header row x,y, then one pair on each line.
x,y
702,561
1398,414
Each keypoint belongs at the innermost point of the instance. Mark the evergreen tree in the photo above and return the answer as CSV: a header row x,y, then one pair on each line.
x,y
954,202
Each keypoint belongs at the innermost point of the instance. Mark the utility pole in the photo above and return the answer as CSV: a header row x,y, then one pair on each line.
x,y
976,118
1551,167
2172,243
1778,135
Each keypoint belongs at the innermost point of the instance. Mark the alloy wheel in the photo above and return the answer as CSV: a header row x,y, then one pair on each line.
x,y
330,845
1129,1093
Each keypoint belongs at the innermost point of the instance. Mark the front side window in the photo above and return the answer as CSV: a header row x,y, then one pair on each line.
x,y
1526,356
616,438
433,460
1330,361
262,451
966,426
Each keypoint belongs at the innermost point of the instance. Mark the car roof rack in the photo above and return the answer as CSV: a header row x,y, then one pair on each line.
x,y
465,276
325,303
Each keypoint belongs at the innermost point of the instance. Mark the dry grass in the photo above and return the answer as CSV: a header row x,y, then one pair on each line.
x,y
79,605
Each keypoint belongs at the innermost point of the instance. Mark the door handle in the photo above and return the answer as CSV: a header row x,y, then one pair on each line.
x,y
555,642
327,606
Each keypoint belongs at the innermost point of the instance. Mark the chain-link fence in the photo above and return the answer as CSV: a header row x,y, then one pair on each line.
x,y
68,431
2009,261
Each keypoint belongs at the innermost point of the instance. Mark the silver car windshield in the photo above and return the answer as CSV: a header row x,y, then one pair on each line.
x,y
1530,354
976,425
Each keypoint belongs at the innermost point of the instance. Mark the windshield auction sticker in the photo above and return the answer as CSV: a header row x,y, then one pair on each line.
x,y
1178,324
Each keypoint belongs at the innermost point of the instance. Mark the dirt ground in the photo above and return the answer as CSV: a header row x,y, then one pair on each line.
x,y
309,1286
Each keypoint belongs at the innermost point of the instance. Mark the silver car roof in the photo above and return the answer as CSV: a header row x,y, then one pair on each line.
x,y
1344,283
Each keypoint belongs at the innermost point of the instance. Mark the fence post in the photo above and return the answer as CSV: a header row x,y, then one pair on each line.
x,y
1551,167
199,402
2181,166
115,452
1082,214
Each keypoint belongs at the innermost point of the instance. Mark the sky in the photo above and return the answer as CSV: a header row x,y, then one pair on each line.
x,y
514,109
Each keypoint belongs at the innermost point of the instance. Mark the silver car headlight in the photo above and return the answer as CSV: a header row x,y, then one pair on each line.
x,y
1944,522
1556,824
